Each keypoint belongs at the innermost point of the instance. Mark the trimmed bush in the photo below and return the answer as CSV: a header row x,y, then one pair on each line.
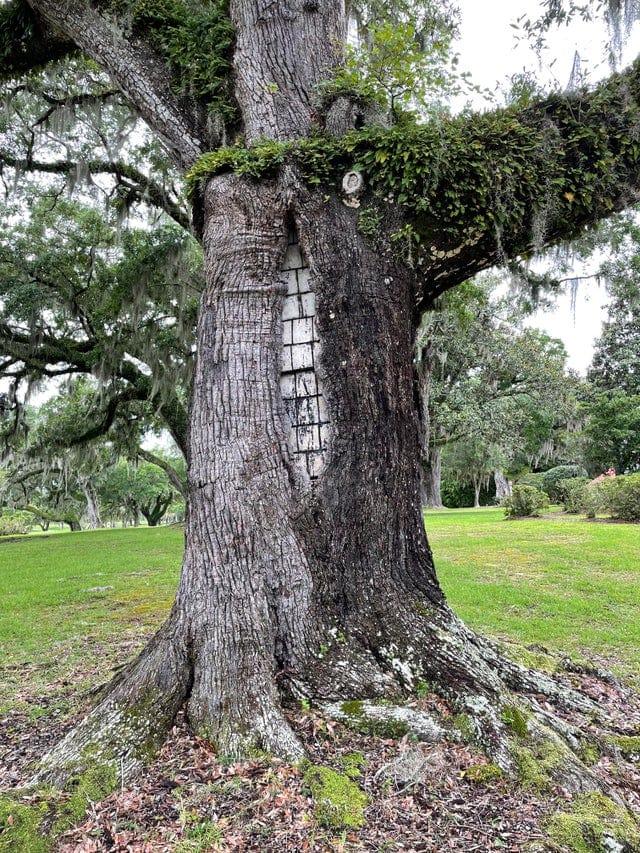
x,y
15,523
621,497
573,494
554,476
535,480
525,501
593,499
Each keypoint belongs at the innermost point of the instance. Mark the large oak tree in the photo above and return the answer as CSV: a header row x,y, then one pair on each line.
x,y
320,587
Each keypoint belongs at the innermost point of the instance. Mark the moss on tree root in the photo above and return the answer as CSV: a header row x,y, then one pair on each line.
x,y
32,824
592,823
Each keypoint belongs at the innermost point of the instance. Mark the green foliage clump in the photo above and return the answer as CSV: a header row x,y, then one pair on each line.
x,y
464,724
526,501
589,752
537,763
15,523
612,431
593,499
573,494
592,819
535,479
369,222
338,802
393,69
552,478
515,719
629,745
23,47
20,825
194,38
622,497
483,774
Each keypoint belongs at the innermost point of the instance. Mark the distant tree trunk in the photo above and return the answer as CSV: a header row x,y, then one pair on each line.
x,y
503,486
432,479
476,493
154,514
93,506
74,524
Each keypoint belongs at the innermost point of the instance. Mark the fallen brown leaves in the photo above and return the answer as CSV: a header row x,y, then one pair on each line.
x,y
189,802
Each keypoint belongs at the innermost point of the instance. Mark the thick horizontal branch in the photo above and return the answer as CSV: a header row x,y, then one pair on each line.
x,y
39,352
475,191
145,188
138,72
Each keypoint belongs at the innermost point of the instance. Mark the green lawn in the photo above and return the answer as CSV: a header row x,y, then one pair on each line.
x,y
563,582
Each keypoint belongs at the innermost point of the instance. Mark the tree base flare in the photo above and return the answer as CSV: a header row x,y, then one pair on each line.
x,y
532,725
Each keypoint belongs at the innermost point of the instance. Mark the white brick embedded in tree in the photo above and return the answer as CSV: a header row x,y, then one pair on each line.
x,y
301,388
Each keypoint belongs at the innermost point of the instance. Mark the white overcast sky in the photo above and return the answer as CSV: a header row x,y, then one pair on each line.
x,y
489,50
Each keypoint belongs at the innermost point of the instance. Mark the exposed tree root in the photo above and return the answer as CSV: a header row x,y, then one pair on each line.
x,y
131,722
496,703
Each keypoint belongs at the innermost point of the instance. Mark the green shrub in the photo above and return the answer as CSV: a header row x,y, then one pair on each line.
x,y
593,499
15,523
621,497
525,501
554,476
573,493
535,480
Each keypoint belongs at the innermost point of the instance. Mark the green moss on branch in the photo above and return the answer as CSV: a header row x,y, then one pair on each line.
x,y
506,182
194,38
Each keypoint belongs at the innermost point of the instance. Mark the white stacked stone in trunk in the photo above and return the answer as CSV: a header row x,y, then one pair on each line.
x,y
301,388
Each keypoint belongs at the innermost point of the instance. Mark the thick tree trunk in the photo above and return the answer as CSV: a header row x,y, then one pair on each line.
x,y
503,486
93,507
432,479
307,570
476,495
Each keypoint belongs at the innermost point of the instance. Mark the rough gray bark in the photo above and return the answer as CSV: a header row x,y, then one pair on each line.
x,y
432,479
282,53
93,506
